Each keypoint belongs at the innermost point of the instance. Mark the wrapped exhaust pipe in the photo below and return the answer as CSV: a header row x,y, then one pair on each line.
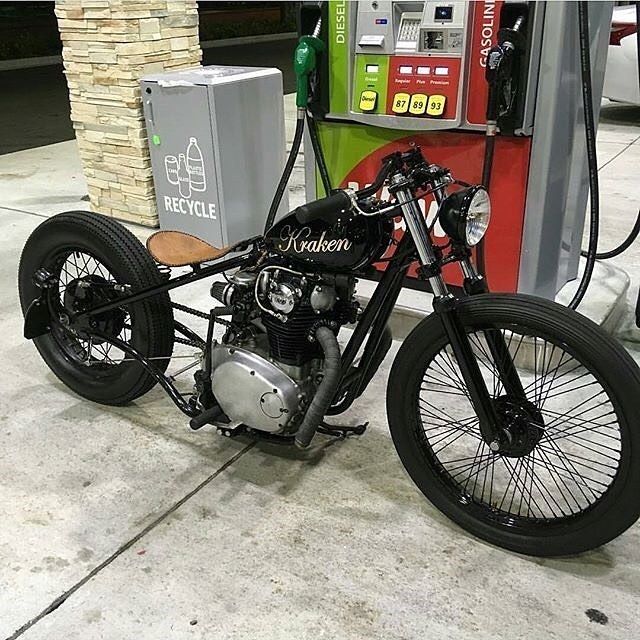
x,y
326,390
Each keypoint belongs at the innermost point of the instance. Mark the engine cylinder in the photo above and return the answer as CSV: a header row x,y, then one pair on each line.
x,y
288,341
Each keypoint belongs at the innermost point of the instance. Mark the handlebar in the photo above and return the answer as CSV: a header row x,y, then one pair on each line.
x,y
373,188
331,208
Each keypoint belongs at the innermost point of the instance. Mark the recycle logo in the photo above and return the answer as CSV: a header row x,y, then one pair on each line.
x,y
187,171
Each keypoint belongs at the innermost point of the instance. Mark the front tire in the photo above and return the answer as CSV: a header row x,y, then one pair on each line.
x,y
93,252
570,488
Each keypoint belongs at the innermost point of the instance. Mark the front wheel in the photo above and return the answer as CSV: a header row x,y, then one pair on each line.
x,y
567,478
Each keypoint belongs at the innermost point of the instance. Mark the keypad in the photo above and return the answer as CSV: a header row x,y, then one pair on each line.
x,y
409,29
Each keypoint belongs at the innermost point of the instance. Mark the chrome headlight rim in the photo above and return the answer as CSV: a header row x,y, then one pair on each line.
x,y
465,214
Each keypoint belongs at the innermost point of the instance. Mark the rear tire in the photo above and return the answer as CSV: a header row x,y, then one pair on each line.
x,y
78,236
585,436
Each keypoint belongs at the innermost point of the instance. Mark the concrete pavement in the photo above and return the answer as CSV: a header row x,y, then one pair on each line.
x,y
122,523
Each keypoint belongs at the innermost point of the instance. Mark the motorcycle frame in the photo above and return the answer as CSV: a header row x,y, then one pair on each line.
x,y
372,323
374,318
415,244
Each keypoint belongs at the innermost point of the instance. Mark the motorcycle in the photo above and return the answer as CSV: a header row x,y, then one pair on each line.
x,y
514,416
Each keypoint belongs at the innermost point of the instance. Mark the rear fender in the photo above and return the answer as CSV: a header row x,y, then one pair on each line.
x,y
37,319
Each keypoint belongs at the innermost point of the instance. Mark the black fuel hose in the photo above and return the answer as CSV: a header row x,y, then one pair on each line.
x,y
592,158
623,246
286,174
317,151
633,234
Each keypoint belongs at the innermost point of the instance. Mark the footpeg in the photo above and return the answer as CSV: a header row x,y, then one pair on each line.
x,y
342,431
206,417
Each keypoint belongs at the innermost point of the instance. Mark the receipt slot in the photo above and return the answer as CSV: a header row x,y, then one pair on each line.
x,y
210,130
396,73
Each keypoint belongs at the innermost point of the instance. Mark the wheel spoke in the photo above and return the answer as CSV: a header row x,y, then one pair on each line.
x,y
78,266
554,471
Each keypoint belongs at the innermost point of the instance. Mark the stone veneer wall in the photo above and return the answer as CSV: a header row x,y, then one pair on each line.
x,y
108,45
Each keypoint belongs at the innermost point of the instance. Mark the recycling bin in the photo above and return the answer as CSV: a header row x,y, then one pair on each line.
x,y
217,144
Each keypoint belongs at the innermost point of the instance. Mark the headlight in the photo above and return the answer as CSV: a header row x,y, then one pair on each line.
x,y
464,215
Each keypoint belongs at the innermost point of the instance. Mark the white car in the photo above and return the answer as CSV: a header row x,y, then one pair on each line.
x,y
621,75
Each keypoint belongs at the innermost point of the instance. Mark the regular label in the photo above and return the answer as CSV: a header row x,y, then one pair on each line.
x,y
401,103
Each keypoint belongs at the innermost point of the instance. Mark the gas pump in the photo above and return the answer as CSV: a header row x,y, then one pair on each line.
x,y
449,76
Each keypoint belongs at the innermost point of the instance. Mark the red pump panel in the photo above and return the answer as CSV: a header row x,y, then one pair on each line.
x,y
463,153
445,82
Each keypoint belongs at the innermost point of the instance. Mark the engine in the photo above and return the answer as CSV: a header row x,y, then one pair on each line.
x,y
266,371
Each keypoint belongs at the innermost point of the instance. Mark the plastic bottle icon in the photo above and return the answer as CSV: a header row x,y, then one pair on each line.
x,y
195,166
184,185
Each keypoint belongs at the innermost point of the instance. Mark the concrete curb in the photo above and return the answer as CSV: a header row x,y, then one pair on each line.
x,y
45,61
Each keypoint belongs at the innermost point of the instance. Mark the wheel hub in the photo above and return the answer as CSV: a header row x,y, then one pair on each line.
x,y
521,426
88,292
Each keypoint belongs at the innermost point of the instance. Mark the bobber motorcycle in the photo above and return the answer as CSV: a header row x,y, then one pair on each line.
x,y
515,416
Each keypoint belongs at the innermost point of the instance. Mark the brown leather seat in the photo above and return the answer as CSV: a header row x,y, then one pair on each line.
x,y
178,249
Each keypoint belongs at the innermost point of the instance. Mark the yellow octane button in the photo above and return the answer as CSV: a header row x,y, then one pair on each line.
x,y
400,103
435,106
368,100
418,104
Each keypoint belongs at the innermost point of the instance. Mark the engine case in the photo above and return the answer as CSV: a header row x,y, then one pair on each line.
x,y
254,391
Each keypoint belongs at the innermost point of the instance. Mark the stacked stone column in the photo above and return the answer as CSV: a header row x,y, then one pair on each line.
x,y
108,45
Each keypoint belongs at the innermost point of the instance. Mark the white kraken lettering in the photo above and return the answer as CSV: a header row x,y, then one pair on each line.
x,y
298,240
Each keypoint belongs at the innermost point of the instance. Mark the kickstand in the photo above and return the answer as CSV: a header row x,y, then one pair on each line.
x,y
342,431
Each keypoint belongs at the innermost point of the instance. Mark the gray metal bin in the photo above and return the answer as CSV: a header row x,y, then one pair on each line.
x,y
217,142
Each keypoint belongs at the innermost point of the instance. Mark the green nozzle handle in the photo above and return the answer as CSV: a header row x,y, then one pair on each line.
x,y
304,62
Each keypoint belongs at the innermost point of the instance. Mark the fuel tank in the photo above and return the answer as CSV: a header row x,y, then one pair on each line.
x,y
352,243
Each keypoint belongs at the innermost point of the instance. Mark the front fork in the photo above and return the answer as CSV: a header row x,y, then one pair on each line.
x,y
445,305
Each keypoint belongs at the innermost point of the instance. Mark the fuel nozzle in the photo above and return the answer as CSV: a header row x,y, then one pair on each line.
x,y
512,37
305,61
499,71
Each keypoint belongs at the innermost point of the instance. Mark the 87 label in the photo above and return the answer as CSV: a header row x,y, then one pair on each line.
x,y
400,103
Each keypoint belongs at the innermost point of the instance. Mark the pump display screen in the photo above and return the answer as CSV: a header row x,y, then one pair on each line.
x,y
444,14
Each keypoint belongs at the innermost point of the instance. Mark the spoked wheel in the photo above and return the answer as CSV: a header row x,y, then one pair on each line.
x,y
93,260
560,478
84,282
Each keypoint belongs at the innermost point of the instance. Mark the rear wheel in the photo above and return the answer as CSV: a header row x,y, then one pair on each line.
x,y
88,254
566,475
